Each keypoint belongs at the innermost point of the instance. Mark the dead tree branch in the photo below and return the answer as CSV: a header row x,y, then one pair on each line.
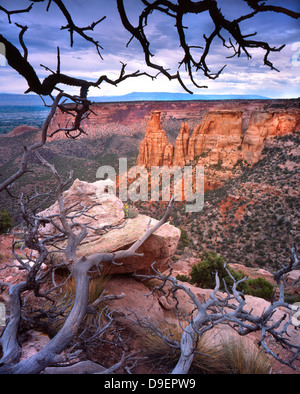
x,y
177,11
226,308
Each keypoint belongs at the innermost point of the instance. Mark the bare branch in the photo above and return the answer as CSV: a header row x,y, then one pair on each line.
x,y
178,11
13,12
79,268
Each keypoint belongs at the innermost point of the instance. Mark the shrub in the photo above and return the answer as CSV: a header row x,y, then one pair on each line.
x,y
6,221
183,278
130,212
203,273
259,287
184,240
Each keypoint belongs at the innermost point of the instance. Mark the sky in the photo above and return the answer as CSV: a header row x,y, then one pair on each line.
x,y
240,76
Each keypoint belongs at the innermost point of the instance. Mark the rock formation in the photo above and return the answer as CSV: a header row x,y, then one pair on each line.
x,y
217,140
107,118
265,125
114,230
168,155
181,146
153,147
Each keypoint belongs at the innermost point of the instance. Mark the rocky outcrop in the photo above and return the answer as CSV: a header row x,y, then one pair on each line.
x,y
181,146
109,230
218,140
106,118
168,155
20,130
264,125
152,148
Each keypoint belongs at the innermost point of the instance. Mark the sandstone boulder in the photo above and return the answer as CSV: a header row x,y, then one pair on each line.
x,y
109,230
99,208
138,299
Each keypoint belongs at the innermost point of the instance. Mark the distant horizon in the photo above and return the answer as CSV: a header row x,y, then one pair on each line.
x,y
33,99
212,93
153,93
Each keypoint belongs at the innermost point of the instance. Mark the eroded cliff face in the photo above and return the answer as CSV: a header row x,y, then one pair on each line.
x,y
264,125
217,140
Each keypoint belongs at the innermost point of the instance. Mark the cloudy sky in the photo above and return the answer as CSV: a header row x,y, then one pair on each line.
x,y
241,76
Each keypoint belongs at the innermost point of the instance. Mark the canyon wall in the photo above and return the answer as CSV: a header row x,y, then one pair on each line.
x,y
218,140
130,117
264,125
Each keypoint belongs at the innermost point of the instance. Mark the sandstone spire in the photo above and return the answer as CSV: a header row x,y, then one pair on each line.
x,y
181,146
168,155
152,148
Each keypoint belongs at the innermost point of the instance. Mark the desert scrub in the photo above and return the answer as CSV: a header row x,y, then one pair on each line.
x,y
259,287
96,288
57,310
183,278
203,275
214,353
242,357
206,357
6,221
130,211
184,240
